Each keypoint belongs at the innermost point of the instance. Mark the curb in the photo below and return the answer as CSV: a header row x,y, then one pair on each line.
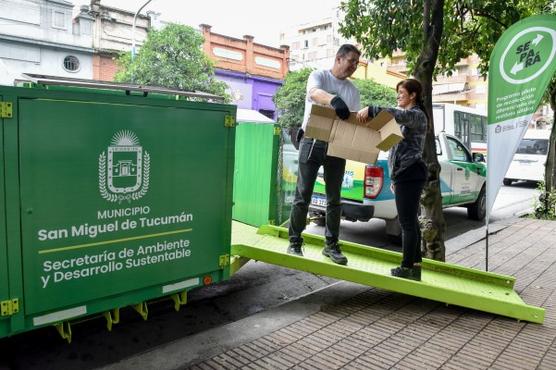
x,y
201,346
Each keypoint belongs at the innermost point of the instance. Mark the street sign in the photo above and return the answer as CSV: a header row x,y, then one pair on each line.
x,y
521,67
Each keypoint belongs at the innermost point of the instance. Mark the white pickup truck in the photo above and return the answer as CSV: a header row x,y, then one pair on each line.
x,y
366,188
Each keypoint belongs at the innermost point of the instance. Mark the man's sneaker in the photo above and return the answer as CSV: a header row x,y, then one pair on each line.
x,y
333,252
295,249
407,273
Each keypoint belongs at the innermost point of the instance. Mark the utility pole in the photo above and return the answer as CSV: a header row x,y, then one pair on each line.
x,y
133,34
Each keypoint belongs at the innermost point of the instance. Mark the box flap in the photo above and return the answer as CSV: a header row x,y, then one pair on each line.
x,y
320,122
390,135
321,110
380,120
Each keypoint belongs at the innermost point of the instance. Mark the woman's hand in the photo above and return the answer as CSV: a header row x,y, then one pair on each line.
x,y
367,113
363,115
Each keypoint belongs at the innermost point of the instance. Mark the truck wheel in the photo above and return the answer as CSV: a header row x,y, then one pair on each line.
x,y
507,182
477,210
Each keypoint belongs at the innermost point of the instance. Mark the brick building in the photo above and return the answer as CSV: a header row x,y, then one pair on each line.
x,y
252,71
112,35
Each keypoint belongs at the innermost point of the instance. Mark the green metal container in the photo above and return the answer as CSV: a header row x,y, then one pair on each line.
x,y
109,199
256,184
265,171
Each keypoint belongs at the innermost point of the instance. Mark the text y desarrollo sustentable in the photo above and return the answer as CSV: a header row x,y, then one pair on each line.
x,y
110,261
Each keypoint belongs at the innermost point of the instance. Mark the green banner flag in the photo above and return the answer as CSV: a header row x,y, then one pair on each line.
x,y
521,67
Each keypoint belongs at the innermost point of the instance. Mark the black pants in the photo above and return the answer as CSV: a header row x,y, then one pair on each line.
x,y
408,194
312,155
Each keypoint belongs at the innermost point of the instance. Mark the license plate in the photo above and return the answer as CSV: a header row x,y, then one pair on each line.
x,y
318,201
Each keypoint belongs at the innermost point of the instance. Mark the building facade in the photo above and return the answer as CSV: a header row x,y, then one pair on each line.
x,y
464,86
378,72
253,72
112,35
38,36
314,44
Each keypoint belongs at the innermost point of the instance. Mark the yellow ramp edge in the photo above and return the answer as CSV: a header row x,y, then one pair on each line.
x,y
442,282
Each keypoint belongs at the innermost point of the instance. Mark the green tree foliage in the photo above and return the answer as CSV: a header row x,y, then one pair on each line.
x,y
373,93
469,26
290,98
476,25
173,58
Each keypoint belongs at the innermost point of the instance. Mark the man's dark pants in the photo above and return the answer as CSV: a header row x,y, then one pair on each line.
x,y
312,155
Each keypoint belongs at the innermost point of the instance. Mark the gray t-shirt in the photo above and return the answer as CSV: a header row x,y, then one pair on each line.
x,y
325,80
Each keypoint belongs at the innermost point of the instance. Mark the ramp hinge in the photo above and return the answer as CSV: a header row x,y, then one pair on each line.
x,y
9,307
224,261
229,121
6,109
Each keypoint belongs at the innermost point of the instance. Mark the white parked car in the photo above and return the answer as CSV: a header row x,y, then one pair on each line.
x,y
530,158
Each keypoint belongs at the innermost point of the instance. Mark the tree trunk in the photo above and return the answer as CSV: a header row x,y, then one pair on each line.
x,y
549,170
549,173
432,222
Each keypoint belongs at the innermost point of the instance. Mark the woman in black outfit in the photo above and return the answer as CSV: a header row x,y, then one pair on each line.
x,y
408,171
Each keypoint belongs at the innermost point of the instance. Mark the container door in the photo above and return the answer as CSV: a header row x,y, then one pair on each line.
x,y
4,289
255,171
119,197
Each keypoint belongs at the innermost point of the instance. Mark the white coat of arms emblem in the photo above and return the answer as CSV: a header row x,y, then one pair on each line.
x,y
123,170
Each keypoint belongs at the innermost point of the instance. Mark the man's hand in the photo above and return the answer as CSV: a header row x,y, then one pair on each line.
x,y
340,107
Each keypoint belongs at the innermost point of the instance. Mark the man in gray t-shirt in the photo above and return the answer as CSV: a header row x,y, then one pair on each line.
x,y
331,88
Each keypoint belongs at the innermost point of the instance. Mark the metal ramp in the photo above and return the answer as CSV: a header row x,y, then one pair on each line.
x,y
442,282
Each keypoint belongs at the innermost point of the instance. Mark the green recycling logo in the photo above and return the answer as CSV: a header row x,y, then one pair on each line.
x,y
528,55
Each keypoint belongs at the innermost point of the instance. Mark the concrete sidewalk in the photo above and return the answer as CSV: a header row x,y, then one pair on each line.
x,y
348,326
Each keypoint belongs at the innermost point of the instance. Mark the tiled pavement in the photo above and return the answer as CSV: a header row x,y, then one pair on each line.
x,y
382,330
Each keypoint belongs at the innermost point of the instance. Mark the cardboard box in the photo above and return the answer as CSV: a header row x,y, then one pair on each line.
x,y
350,139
